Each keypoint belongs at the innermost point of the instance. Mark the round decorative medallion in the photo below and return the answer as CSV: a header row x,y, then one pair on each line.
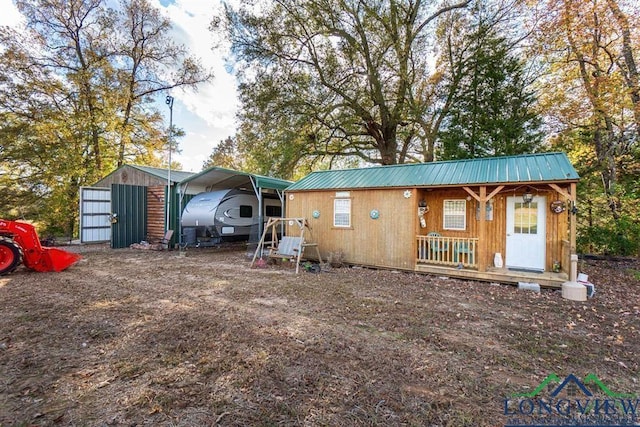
x,y
558,206
374,214
290,196
316,214
407,194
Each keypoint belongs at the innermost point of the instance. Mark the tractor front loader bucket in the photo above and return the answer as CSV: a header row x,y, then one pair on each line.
x,y
53,259
19,242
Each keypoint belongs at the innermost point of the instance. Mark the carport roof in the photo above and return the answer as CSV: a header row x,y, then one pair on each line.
x,y
217,177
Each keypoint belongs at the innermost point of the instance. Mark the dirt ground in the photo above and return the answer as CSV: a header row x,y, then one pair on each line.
x,y
134,337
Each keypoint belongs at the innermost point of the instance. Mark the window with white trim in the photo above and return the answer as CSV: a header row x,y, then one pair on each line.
x,y
342,212
454,215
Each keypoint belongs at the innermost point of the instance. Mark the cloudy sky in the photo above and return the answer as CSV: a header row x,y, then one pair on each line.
x,y
208,115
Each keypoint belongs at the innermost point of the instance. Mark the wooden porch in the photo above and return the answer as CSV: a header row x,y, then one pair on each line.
x,y
459,257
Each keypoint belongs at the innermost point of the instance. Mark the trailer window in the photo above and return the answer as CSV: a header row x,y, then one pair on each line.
x,y
342,213
273,211
246,211
455,215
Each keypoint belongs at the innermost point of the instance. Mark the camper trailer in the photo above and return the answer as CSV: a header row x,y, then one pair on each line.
x,y
225,215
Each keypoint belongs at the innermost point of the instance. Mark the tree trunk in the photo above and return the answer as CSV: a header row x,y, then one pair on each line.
x,y
630,69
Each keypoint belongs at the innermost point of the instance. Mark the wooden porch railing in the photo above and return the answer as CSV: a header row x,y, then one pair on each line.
x,y
452,251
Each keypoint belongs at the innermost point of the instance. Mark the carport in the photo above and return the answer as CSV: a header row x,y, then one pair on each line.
x,y
217,178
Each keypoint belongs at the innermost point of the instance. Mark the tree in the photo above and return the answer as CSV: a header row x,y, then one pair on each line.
x,y
591,92
491,110
225,155
75,96
148,52
626,60
336,75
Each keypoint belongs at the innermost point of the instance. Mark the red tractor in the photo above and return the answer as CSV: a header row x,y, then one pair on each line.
x,y
19,242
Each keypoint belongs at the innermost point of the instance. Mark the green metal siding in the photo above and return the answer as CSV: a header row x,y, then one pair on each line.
x,y
130,203
545,167
176,214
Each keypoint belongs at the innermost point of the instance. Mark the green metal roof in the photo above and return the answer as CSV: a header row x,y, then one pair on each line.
x,y
176,175
228,178
544,167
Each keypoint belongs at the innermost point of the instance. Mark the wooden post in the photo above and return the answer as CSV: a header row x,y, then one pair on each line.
x,y
482,231
572,229
573,277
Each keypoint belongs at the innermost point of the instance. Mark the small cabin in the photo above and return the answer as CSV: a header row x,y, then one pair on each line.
x,y
505,219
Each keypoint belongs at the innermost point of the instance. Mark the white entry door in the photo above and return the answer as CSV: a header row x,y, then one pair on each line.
x,y
526,234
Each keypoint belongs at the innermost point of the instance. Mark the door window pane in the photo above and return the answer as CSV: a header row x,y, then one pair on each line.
x,y
525,218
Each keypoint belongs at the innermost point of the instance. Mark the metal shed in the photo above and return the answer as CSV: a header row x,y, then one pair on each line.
x,y
128,205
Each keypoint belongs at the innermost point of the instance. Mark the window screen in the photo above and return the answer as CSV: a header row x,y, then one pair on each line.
x,y
342,213
455,215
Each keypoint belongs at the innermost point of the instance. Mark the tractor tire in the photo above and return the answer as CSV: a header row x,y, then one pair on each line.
x,y
10,256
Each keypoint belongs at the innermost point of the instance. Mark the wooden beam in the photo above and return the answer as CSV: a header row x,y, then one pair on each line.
x,y
564,192
572,229
494,192
482,232
487,198
472,193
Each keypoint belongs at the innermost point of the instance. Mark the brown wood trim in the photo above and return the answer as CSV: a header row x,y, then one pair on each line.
x,y
562,191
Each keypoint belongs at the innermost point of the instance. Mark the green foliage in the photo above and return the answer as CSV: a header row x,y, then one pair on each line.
x,y
599,231
76,100
620,238
326,79
225,155
492,109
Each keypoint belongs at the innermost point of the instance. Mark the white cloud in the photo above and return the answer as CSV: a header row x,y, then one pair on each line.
x,y
209,112
10,15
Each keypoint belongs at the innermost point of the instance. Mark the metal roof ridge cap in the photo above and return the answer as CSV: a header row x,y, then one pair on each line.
x,y
143,167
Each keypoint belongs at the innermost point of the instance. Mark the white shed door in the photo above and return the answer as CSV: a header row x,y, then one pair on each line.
x,y
95,214
526,234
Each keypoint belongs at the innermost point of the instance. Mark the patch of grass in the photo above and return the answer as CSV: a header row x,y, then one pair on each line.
x,y
128,370
634,273
27,318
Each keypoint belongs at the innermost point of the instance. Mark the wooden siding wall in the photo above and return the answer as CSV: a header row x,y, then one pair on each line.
x,y
388,241
155,212
130,176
